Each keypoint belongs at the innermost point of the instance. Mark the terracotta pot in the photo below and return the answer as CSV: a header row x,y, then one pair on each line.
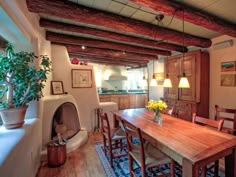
x,y
14,117
56,154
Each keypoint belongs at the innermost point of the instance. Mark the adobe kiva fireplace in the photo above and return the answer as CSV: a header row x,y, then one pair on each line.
x,y
62,110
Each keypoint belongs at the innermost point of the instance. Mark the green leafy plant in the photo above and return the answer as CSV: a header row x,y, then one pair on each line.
x,y
20,81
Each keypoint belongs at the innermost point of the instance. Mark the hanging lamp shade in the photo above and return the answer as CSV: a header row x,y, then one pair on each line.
x,y
153,82
183,83
144,77
167,83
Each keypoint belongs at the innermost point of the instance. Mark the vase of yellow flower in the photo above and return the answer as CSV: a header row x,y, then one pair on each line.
x,y
157,106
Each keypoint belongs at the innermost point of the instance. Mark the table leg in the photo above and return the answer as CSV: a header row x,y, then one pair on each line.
x,y
188,169
230,165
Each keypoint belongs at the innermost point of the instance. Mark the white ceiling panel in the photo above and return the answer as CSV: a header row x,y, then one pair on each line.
x,y
101,4
115,7
88,3
143,16
128,11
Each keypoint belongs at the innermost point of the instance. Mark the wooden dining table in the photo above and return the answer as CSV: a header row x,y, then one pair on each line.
x,y
193,146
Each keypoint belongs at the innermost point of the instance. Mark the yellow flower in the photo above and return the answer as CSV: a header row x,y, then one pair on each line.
x,y
156,105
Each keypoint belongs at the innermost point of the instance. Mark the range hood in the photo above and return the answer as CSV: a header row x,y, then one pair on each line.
x,y
117,77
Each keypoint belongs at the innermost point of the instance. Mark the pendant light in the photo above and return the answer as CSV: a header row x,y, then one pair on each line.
x,y
153,82
144,81
183,83
167,82
144,77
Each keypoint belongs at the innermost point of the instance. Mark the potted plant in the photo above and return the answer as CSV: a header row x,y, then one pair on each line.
x,y
20,83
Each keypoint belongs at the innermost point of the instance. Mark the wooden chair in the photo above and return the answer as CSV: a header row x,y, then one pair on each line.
x,y
227,112
170,111
112,138
146,155
217,124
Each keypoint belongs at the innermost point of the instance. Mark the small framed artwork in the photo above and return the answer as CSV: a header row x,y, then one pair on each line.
x,y
228,66
160,78
57,87
81,78
228,80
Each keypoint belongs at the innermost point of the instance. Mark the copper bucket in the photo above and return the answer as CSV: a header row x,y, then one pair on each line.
x,y
56,154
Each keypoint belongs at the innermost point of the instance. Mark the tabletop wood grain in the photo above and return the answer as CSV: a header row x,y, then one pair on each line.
x,y
181,140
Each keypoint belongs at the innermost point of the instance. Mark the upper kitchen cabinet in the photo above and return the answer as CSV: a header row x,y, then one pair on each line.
x,y
195,65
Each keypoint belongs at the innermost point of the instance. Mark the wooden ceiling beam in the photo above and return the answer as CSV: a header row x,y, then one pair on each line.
x,y
130,61
191,15
108,61
136,67
105,63
68,39
110,35
82,14
108,52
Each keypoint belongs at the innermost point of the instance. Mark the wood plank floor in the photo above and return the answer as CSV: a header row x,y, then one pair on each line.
x,y
83,162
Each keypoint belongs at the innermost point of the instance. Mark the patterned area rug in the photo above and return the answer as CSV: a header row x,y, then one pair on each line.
x,y
121,165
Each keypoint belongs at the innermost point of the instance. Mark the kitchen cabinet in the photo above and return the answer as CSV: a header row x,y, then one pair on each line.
x,y
195,65
104,98
125,101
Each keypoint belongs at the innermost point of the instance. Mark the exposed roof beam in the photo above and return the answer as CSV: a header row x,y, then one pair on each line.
x,y
108,52
78,13
191,15
97,57
110,35
68,39
136,67
107,61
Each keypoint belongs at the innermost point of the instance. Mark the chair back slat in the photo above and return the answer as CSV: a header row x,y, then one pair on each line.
x,y
226,114
209,122
134,138
170,111
105,123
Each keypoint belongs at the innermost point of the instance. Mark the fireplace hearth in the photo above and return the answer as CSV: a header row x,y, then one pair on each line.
x,y
66,114
62,109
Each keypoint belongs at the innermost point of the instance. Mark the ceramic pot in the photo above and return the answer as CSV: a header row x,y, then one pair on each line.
x,y
14,117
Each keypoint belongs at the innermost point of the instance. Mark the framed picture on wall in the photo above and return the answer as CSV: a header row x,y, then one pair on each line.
x,y
81,78
228,66
57,87
228,80
160,78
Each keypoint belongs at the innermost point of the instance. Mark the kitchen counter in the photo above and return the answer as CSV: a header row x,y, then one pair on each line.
x,y
125,100
123,92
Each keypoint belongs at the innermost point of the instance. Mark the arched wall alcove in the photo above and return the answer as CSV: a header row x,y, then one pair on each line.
x,y
50,104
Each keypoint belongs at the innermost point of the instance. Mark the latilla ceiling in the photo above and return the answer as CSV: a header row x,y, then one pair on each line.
x,y
132,32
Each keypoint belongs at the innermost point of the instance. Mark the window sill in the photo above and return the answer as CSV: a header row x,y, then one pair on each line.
x,y
14,142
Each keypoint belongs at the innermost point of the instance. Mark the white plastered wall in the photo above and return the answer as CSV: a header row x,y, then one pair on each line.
x,y
221,95
21,28
155,93
86,98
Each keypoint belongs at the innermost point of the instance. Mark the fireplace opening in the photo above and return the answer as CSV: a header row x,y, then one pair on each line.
x,y
67,115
